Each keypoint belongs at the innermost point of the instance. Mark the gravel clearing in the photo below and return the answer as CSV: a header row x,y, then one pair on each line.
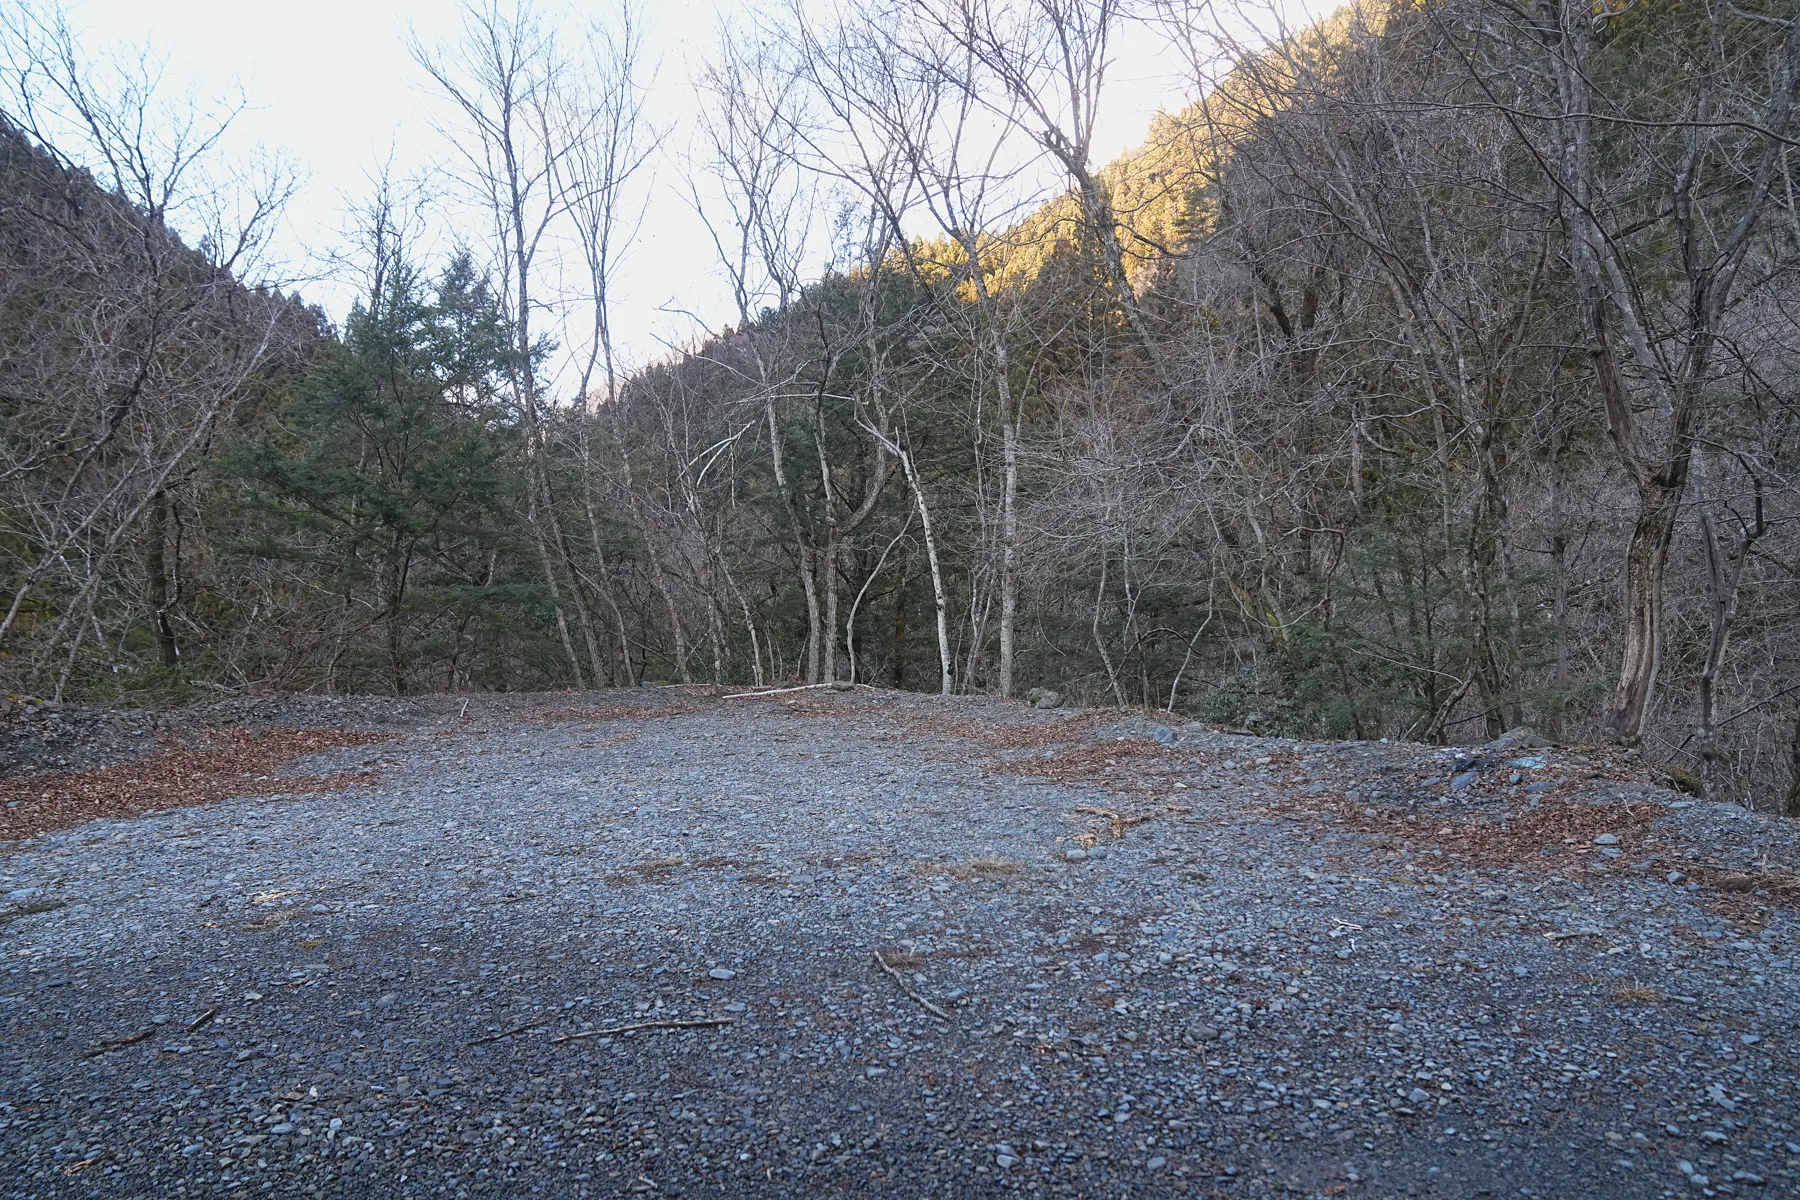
x,y
663,943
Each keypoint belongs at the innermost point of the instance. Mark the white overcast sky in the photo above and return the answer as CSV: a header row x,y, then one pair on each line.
x,y
333,88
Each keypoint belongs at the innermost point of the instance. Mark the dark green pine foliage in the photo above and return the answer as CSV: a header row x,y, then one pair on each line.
x,y
390,480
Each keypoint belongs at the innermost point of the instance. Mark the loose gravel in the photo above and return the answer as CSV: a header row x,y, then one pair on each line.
x,y
665,943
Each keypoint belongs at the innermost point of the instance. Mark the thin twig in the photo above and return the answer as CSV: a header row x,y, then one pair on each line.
x,y
1563,937
616,1030
203,1019
110,1044
494,1037
900,979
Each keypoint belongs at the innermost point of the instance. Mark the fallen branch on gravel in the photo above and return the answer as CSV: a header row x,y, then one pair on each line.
x,y
1563,937
616,1030
1120,823
111,1044
203,1019
805,687
900,979
495,1037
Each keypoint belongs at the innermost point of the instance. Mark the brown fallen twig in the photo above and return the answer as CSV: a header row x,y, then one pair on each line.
x,y
111,1044
616,1030
203,1019
900,979
1563,937
495,1037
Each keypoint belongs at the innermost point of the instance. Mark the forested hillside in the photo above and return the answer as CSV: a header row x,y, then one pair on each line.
x,y
1431,374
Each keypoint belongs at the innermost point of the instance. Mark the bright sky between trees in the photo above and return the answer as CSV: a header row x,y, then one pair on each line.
x,y
333,89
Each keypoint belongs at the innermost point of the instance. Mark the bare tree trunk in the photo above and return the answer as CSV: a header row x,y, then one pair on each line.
x,y
802,551
1112,676
1559,582
1724,573
850,622
1009,463
1792,808
1675,371
940,598
156,567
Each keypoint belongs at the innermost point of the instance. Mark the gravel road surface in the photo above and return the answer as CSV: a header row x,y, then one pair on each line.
x,y
891,945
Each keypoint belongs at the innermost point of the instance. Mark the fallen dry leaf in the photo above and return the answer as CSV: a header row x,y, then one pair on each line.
x,y
224,764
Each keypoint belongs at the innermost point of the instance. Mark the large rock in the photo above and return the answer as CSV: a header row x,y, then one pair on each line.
x,y
1043,698
1522,738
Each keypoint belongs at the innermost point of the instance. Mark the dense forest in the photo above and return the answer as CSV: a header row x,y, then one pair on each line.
x,y
1431,373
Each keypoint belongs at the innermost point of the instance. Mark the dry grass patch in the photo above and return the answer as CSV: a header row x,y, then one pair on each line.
x,y
986,869
1636,993
663,870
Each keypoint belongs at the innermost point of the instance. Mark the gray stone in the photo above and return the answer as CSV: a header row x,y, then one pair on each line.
x,y
721,973
1522,738
1607,839
1418,1096
1162,735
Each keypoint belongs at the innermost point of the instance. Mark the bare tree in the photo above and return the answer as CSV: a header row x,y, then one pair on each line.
x,y
509,81
1653,357
748,131
125,346
599,178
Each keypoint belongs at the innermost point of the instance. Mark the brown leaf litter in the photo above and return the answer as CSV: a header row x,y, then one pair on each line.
x,y
224,764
